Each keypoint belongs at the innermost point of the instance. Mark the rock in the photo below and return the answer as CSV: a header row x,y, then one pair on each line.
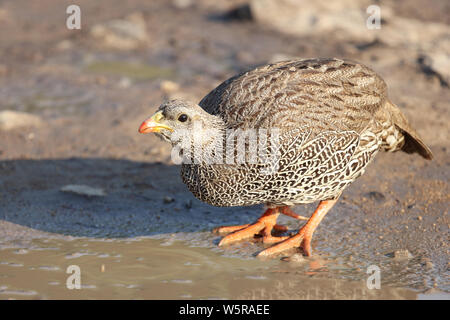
x,y
168,199
124,82
83,190
347,20
440,63
122,34
402,254
436,64
411,206
306,18
13,119
415,34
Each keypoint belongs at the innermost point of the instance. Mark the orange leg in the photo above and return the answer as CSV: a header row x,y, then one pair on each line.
x,y
288,211
284,210
303,237
229,229
264,225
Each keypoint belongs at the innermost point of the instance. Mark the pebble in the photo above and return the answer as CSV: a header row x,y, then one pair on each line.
x,y
83,190
125,82
13,119
124,34
402,254
168,199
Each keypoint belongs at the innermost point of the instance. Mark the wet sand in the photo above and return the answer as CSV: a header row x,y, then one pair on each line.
x,y
152,236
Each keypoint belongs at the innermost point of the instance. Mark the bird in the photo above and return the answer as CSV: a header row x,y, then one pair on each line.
x,y
320,122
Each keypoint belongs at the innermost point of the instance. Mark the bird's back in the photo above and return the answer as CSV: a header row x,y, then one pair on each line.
x,y
329,94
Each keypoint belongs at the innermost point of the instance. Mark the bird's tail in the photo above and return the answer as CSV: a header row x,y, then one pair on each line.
x,y
412,141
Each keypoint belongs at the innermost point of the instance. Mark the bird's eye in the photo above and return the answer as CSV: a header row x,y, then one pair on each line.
x,y
182,117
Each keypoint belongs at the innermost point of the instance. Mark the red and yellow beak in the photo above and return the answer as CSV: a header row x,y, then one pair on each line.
x,y
153,124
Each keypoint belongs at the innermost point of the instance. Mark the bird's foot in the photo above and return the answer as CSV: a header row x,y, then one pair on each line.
x,y
230,229
263,226
301,239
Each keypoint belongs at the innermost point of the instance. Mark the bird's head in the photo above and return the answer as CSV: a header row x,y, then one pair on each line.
x,y
177,119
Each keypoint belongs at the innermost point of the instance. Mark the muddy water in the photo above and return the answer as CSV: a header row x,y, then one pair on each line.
x,y
145,268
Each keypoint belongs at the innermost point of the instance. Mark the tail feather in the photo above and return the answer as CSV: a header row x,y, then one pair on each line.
x,y
413,142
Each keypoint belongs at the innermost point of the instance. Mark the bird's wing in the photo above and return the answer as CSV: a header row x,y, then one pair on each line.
x,y
326,94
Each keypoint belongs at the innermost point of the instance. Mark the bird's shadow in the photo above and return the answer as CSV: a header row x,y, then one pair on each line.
x,y
141,199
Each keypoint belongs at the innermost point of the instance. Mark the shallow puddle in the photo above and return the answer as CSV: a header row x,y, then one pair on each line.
x,y
146,268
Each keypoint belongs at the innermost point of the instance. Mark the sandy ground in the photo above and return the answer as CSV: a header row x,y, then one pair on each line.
x,y
91,97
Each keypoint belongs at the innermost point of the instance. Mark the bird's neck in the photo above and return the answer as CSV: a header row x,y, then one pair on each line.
x,y
204,144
